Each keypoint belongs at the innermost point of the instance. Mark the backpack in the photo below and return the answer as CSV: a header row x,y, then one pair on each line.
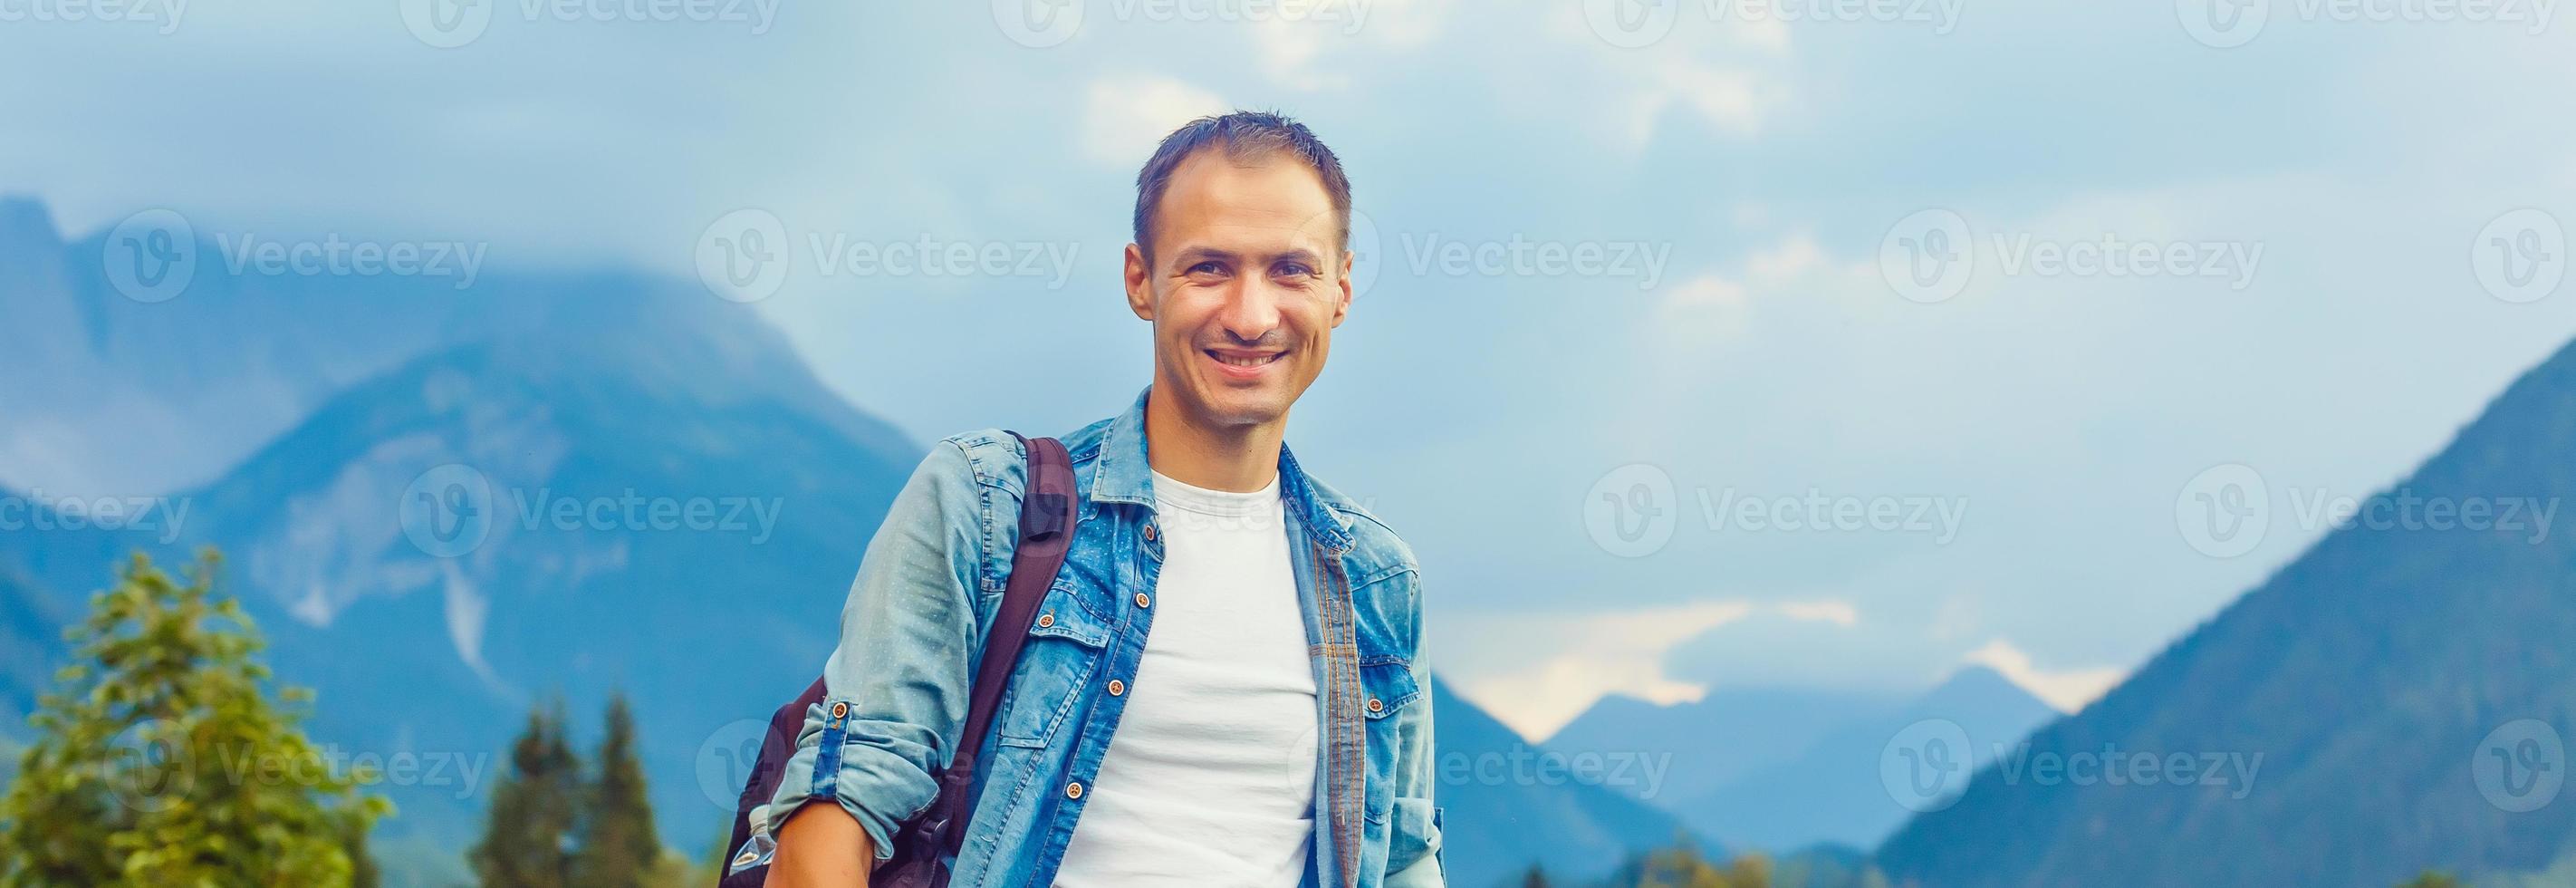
x,y
1047,520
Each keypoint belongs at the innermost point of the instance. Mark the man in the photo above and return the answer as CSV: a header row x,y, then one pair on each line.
x,y
1273,729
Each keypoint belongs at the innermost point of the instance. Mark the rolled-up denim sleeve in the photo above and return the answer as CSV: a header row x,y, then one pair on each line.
x,y
895,689
1414,859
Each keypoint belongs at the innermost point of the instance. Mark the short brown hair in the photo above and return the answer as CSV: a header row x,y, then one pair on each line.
x,y
1244,135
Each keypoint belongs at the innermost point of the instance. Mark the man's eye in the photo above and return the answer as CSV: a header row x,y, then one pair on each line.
x,y
1292,269
1210,267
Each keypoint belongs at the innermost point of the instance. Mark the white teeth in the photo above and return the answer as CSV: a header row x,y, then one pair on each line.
x,y
1244,362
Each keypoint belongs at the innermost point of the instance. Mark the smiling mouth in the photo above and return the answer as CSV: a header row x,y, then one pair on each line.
x,y
1243,361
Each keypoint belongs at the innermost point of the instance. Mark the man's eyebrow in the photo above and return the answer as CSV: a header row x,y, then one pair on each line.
x,y
1189,256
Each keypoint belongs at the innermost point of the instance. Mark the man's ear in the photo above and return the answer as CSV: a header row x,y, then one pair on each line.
x,y
1342,305
1140,283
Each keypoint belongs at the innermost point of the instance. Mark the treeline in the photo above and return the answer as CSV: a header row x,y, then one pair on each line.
x,y
162,756
556,823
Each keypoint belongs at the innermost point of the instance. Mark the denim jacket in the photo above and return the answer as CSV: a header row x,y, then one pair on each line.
x,y
926,594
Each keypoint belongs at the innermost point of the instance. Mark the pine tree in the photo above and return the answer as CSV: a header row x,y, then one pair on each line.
x,y
526,841
618,848
162,760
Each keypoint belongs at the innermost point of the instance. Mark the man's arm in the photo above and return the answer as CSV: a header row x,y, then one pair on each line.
x,y
1416,828
821,846
895,690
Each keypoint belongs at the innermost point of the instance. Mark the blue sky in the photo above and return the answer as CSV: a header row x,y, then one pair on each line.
x,y
1749,183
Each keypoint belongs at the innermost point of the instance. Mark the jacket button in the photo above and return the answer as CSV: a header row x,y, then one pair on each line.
x,y
1117,687
840,710
1046,620
1376,705
1073,790
1144,600
1149,532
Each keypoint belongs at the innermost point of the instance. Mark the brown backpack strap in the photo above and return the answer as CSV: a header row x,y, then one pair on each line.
x,y
1047,519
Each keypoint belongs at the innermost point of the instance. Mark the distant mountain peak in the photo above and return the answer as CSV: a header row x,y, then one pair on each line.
x,y
25,221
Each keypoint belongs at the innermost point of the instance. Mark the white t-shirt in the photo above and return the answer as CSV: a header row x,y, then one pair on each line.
x,y
1210,778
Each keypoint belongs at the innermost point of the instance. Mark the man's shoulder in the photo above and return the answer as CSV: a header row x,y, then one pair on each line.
x,y
1374,542
995,457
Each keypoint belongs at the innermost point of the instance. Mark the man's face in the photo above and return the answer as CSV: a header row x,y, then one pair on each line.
x,y
1247,282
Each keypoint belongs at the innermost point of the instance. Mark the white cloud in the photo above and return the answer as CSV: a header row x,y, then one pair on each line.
x,y
2066,689
1126,116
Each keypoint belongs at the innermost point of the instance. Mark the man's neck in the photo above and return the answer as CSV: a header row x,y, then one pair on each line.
x,y
1240,459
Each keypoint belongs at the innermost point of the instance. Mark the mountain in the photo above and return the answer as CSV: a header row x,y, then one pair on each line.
x,y
718,495
1834,791
1724,735
228,358
658,500
1776,769
1502,811
2407,682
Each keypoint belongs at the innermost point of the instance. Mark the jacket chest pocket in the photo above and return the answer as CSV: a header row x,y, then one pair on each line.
x,y
1063,650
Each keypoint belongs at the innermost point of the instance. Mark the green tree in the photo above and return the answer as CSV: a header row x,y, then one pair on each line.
x,y
162,760
617,847
1535,878
526,842
2432,879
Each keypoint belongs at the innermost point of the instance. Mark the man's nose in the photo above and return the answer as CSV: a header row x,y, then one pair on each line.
x,y
1252,313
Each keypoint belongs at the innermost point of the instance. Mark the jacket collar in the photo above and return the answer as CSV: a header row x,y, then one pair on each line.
x,y
1123,475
